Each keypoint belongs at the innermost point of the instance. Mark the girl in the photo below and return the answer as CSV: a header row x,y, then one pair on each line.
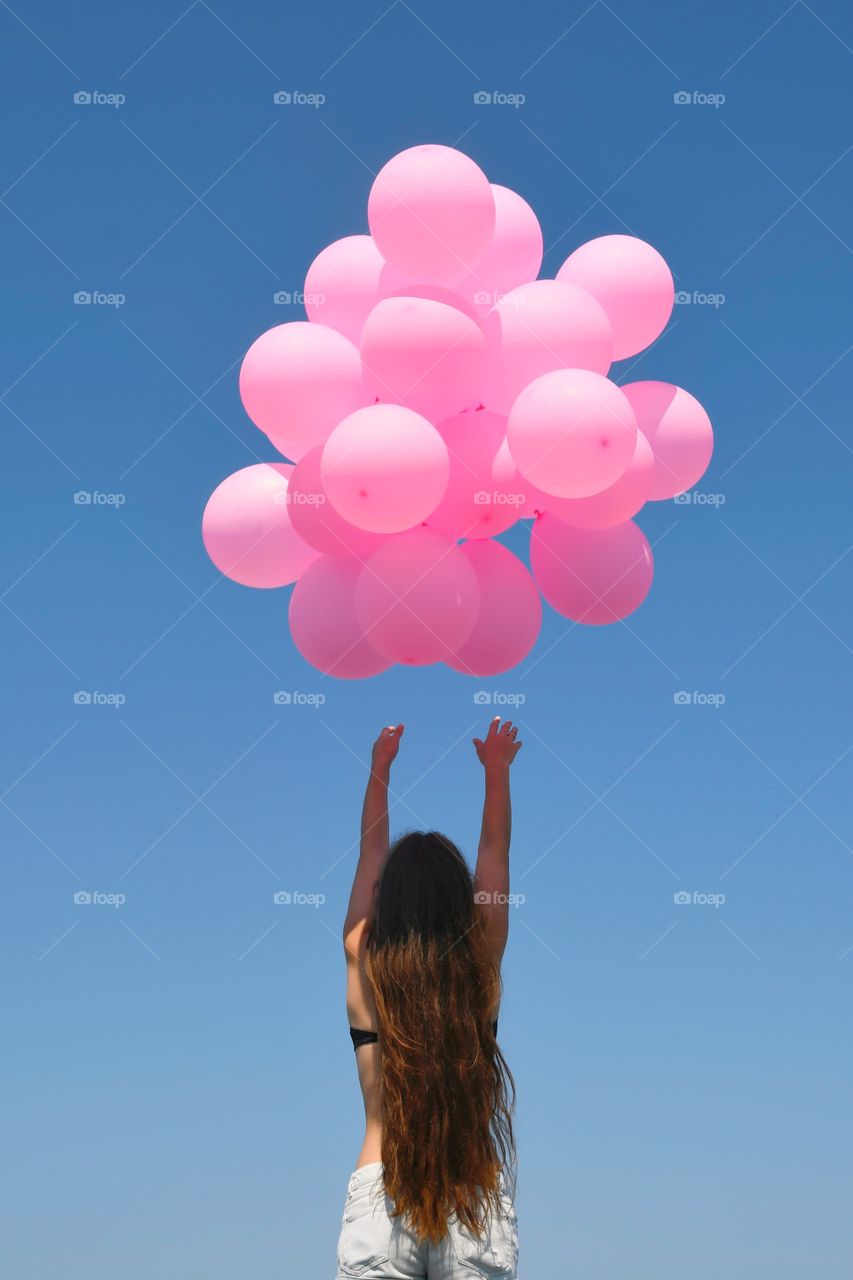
x,y
431,1195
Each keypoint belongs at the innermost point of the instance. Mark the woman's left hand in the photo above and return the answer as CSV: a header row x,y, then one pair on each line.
x,y
386,745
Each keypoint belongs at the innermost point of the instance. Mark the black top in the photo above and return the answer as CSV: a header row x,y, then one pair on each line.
x,y
360,1037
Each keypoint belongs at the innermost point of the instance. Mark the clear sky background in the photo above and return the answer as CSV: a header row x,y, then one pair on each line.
x,y
180,1099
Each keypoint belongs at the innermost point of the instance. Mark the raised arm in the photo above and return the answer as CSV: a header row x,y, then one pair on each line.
x,y
491,874
374,836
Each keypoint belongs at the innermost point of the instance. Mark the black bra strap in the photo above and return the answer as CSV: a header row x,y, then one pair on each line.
x,y
360,1037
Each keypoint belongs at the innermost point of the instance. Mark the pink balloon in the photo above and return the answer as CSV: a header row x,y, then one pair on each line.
x,y
514,255
417,597
612,506
483,497
439,293
572,433
247,530
538,327
631,281
423,354
323,622
510,615
432,213
384,468
297,381
528,499
344,283
679,431
593,576
316,520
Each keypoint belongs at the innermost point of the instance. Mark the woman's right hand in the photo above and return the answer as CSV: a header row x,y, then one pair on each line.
x,y
500,746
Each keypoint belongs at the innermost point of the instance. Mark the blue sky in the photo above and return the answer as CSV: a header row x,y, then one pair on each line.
x,y
181,1096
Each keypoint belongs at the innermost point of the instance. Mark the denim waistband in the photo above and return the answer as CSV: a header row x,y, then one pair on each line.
x,y
371,1173
368,1173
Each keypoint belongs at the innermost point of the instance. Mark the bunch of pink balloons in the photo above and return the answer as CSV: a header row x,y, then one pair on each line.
x,y
437,394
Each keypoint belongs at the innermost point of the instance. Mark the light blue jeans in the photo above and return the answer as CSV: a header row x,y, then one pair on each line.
x,y
375,1246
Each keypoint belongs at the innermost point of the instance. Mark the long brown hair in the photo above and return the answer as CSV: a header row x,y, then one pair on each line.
x,y
446,1092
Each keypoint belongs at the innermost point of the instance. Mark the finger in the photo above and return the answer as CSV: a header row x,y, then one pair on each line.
x,y
478,743
507,726
493,727
512,733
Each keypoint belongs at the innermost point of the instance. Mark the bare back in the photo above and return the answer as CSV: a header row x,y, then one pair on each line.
x,y
361,1012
